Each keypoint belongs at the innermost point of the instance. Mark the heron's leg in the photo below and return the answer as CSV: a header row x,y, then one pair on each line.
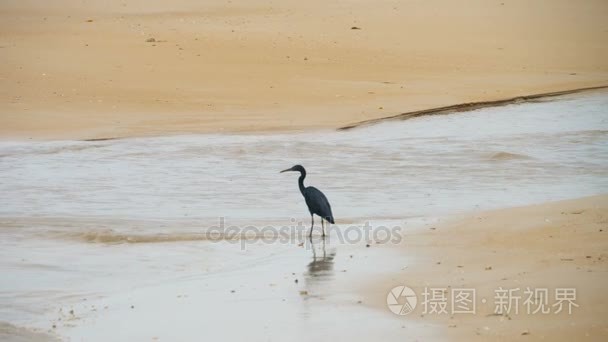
x,y
323,226
324,255
312,224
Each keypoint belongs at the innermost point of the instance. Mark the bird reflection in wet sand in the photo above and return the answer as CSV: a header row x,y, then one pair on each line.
x,y
318,276
322,265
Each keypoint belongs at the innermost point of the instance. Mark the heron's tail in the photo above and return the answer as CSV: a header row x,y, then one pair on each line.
x,y
330,219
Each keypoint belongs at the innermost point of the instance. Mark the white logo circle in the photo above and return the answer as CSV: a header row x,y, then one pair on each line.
x,y
401,300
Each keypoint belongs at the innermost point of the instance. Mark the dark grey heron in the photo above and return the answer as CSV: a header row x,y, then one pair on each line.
x,y
315,200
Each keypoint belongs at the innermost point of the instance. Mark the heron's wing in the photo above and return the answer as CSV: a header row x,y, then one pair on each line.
x,y
318,203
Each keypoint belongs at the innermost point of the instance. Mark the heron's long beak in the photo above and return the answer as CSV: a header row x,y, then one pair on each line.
x,y
290,169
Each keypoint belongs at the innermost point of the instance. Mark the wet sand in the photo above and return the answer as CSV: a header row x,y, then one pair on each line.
x,y
552,245
11,333
105,240
331,290
74,70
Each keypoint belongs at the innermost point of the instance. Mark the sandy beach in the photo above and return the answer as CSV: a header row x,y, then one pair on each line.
x,y
74,70
548,246
137,136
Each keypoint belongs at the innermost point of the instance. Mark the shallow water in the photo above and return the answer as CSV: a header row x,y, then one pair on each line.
x,y
68,209
492,157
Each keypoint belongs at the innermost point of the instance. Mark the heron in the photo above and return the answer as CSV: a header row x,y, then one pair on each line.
x,y
315,200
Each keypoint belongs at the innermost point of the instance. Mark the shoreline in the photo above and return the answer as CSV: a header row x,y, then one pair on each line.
x,y
443,110
471,106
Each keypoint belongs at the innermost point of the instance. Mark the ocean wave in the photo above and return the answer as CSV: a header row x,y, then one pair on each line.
x,y
110,236
498,156
45,149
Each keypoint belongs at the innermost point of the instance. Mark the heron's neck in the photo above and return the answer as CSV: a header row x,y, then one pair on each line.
x,y
301,181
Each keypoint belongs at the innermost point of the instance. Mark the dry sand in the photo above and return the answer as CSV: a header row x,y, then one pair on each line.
x,y
74,69
560,244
